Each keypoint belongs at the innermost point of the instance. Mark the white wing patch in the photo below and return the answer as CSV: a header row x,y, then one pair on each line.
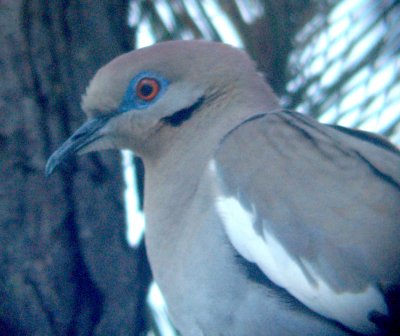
x,y
349,308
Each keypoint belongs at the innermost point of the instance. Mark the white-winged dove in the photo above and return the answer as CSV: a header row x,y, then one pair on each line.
x,y
260,221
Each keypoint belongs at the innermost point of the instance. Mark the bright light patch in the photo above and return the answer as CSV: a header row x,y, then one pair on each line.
x,y
134,216
375,108
160,312
339,27
380,78
394,93
329,116
336,49
350,118
332,74
343,8
364,46
250,10
144,35
164,10
222,24
322,44
317,65
187,35
359,78
353,99
133,13
194,11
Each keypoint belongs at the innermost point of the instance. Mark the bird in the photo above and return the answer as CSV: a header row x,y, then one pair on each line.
x,y
259,220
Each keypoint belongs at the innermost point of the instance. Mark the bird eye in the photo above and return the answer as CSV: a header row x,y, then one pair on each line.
x,y
147,89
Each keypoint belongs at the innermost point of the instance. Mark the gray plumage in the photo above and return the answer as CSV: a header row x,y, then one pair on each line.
x,y
260,221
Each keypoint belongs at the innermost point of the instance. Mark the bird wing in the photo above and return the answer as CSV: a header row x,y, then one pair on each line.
x,y
317,208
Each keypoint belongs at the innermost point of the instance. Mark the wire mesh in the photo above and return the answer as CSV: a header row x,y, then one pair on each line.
x,y
345,68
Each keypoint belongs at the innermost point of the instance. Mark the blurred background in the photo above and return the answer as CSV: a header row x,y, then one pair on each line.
x,y
72,257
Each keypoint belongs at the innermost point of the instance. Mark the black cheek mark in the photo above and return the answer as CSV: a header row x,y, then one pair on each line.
x,y
179,117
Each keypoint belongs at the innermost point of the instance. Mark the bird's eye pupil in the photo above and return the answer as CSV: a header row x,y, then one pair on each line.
x,y
147,88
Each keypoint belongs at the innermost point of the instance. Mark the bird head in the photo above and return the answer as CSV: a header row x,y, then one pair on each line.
x,y
142,99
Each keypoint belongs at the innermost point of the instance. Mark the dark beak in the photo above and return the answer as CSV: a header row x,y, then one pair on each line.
x,y
85,135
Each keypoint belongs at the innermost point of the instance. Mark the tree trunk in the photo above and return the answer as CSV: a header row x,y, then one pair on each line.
x,y
65,267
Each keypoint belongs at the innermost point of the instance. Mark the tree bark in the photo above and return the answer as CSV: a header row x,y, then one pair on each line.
x,y
65,267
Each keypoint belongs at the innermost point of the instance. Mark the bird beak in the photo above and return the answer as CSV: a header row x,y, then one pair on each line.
x,y
85,135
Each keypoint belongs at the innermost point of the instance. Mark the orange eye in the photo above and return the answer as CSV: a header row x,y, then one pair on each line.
x,y
147,89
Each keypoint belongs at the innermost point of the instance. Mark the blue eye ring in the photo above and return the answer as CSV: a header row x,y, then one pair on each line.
x,y
143,90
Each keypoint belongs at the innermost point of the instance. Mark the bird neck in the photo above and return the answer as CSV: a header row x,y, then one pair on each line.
x,y
174,170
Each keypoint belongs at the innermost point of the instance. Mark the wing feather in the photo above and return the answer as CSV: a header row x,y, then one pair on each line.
x,y
320,210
